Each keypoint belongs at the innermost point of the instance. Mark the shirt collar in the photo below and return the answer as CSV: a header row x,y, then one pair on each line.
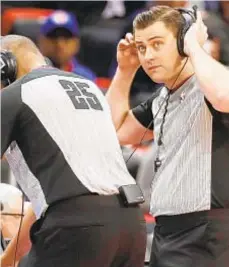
x,y
181,91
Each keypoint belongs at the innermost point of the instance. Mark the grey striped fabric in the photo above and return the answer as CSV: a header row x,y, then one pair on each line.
x,y
86,138
27,181
183,182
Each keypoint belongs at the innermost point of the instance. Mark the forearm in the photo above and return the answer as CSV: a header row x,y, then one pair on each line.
x,y
212,77
23,240
118,96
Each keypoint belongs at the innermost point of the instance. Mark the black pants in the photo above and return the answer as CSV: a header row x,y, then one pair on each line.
x,y
199,239
98,232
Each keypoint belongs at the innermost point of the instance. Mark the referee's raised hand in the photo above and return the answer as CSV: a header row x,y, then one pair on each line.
x,y
196,35
127,56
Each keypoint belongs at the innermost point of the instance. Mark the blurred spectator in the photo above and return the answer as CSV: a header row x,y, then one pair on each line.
x,y
121,8
224,5
211,6
11,210
114,8
11,217
212,47
218,30
220,8
60,42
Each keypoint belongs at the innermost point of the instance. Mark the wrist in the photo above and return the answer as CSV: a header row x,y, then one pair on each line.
x,y
126,73
6,260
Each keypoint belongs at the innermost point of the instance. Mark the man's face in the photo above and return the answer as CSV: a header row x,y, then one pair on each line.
x,y
157,52
60,47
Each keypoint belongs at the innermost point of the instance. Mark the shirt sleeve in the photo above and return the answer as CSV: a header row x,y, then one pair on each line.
x,y
10,107
221,117
143,112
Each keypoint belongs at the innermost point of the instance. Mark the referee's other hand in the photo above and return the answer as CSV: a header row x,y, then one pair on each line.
x,y
196,35
127,56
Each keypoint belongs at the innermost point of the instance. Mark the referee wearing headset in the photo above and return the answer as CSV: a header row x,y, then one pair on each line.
x,y
188,118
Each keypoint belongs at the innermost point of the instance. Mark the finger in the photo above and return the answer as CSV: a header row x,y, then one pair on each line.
x,y
199,18
126,53
129,37
123,44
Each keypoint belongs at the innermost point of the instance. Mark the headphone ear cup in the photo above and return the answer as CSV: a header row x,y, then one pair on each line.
x,y
188,19
180,43
8,67
48,61
180,39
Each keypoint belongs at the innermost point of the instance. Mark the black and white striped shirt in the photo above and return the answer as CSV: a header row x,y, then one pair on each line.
x,y
194,174
62,142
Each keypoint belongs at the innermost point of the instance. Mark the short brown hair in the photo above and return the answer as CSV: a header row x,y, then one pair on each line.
x,y
170,16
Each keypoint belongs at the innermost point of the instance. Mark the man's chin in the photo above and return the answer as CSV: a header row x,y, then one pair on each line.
x,y
58,63
157,78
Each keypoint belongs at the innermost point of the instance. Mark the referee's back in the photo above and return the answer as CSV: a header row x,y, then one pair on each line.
x,y
61,136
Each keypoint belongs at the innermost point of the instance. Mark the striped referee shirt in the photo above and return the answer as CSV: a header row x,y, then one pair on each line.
x,y
194,171
60,137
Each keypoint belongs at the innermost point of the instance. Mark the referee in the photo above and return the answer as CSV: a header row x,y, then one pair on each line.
x,y
188,118
58,130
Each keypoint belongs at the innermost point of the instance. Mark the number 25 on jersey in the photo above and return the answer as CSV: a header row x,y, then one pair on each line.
x,y
80,97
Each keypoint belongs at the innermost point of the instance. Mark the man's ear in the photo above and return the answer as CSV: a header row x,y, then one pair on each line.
x,y
40,40
77,40
42,43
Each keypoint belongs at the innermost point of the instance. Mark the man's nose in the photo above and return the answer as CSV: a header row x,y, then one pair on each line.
x,y
61,43
150,53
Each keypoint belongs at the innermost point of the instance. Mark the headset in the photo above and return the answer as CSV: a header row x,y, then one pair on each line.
x,y
3,242
9,67
189,17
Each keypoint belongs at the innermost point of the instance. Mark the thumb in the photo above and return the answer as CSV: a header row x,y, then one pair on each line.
x,y
199,18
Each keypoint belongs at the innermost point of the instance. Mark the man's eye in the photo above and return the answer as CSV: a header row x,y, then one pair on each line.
x,y
157,45
141,48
